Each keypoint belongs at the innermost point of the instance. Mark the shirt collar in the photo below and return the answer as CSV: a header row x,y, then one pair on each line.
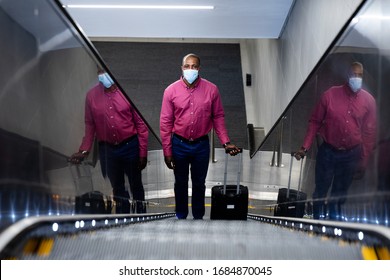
x,y
111,89
349,90
195,85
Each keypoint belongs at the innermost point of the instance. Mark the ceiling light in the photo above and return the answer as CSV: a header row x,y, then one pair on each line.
x,y
166,7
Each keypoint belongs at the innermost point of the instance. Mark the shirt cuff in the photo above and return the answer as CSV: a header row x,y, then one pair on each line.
x,y
224,145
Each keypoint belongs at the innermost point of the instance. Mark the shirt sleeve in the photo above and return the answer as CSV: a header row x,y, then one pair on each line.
x,y
142,132
369,131
315,122
166,123
90,128
219,119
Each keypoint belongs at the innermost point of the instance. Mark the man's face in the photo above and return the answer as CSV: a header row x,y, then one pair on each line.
x,y
356,72
355,78
191,63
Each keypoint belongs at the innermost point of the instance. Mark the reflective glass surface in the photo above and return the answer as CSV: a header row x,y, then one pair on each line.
x,y
47,68
367,199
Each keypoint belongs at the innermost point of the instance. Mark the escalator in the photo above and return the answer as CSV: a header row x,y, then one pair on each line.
x,y
163,237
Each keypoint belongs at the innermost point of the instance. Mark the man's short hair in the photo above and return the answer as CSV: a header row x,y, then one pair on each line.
x,y
191,55
356,63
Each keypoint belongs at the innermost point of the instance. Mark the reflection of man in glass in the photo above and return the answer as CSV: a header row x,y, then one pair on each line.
x,y
345,118
123,140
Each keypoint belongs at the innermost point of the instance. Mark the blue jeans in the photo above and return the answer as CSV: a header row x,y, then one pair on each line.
x,y
118,161
197,156
334,169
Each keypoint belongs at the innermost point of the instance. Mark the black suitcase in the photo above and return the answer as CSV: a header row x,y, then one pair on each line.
x,y
229,202
290,202
91,203
87,200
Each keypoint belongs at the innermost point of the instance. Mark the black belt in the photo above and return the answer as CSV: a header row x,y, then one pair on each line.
x,y
341,149
192,141
124,142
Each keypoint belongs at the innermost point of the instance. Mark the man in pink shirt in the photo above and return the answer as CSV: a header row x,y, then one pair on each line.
x,y
123,139
191,107
345,118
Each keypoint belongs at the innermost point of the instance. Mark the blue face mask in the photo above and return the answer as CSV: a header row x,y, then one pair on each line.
x,y
190,75
106,80
355,83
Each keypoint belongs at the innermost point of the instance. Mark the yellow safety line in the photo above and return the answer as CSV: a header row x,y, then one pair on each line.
x,y
39,246
369,253
31,246
45,247
383,253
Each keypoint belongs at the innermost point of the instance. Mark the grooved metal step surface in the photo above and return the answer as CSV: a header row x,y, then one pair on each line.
x,y
172,239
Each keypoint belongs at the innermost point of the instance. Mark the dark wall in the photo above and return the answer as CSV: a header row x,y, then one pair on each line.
x,y
144,70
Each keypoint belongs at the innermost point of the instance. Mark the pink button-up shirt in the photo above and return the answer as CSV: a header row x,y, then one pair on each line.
x,y
344,119
110,117
191,112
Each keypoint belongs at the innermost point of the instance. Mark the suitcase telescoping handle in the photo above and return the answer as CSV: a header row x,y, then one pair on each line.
x,y
79,171
238,173
289,176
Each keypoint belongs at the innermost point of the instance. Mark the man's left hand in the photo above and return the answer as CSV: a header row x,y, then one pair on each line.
x,y
232,149
142,163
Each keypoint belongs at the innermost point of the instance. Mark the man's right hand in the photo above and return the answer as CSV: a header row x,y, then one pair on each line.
x,y
301,153
170,163
78,157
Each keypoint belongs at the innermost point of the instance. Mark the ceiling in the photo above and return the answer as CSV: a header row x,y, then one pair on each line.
x,y
229,19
